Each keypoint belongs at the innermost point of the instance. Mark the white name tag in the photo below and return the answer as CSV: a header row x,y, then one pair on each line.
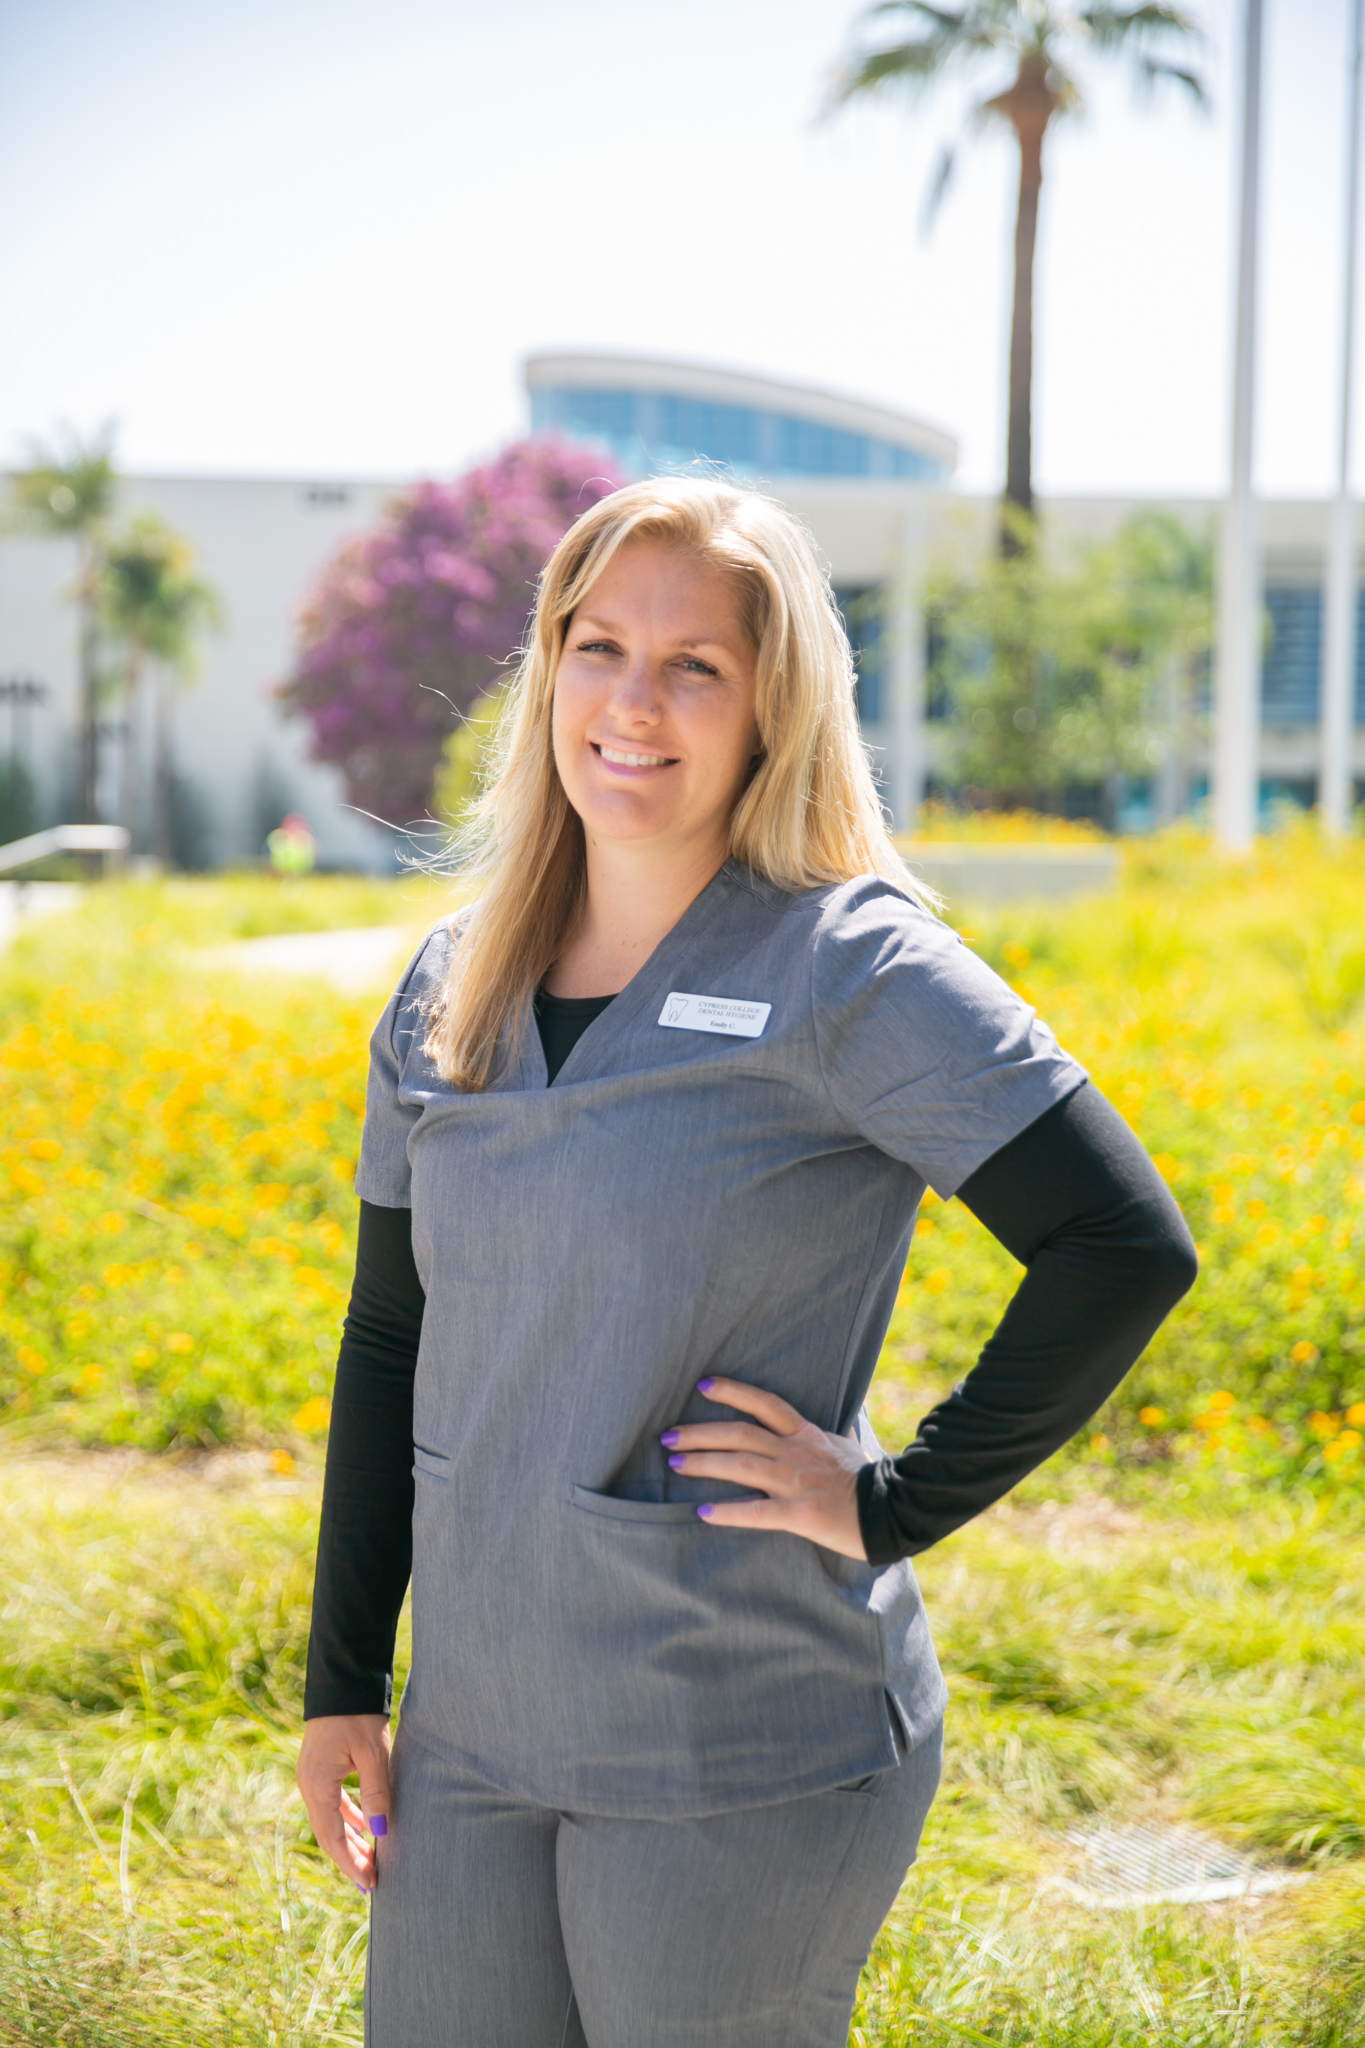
x,y
714,1013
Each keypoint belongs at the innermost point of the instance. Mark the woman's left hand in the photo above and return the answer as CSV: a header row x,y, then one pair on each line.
x,y
808,1475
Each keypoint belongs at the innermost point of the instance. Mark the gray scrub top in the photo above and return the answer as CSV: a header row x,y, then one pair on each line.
x,y
680,1202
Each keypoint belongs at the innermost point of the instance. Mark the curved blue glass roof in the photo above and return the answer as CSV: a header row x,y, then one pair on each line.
x,y
660,430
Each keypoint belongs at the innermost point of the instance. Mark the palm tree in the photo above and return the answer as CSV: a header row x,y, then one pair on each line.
x,y
70,490
152,604
1040,43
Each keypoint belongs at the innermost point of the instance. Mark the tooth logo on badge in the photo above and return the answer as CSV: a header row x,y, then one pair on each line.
x,y
727,1014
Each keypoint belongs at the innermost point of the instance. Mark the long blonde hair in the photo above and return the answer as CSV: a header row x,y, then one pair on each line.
x,y
809,815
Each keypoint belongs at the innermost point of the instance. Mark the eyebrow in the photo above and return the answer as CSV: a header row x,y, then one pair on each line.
x,y
584,619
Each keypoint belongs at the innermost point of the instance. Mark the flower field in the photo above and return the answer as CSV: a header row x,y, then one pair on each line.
x,y
177,1152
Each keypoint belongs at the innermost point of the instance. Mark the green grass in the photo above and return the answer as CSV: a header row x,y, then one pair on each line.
x,y
1191,1665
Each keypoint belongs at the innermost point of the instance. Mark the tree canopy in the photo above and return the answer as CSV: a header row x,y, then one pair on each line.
x,y
410,623
1055,673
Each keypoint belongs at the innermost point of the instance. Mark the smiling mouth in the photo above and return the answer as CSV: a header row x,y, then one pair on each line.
x,y
619,758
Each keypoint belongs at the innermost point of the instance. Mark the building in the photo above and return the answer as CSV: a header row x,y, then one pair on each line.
x,y
241,766
872,484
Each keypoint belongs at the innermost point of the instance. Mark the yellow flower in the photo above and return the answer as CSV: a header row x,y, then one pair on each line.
x,y
44,1148
1349,1439
1153,1417
314,1415
1355,1414
938,1280
111,1223
1167,1166
1222,1401
32,1361
87,1380
180,1340
1323,1425
1305,1353
282,1463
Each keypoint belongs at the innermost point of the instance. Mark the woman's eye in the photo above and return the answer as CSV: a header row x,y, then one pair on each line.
x,y
699,668
597,647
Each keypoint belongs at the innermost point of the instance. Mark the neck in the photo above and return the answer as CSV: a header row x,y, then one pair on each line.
x,y
635,896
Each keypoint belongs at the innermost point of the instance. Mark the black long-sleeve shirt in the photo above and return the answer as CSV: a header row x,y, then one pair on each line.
x,y
1074,1198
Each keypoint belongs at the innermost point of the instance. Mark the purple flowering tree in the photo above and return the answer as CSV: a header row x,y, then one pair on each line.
x,y
408,624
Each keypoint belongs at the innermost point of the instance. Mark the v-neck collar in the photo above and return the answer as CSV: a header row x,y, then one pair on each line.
x,y
645,988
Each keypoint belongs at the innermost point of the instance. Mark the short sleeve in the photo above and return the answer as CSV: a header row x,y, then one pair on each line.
x,y
925,1051
392,1105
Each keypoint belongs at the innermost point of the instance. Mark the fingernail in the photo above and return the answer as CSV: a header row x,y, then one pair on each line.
x,y
706,1513
705,1386
679,1461
670,1436
378,1824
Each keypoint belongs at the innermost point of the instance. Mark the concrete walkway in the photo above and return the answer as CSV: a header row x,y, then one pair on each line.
x,y
353,962
23,903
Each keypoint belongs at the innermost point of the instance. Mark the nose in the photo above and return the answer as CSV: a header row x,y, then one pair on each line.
x,y
636,698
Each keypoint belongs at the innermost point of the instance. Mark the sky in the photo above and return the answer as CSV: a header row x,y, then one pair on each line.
x,y
318,237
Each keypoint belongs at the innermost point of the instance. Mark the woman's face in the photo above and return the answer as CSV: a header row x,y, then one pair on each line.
x,y
653,715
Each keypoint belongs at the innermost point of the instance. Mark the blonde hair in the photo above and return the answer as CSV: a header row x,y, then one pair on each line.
x,y
809,815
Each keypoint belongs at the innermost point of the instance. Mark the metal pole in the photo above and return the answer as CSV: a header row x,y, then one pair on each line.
x,y
1237,680
1335,776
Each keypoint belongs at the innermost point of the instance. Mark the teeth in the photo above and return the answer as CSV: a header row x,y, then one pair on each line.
x,y
631,760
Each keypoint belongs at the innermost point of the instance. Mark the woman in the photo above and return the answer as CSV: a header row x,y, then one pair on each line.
x,y
645,1139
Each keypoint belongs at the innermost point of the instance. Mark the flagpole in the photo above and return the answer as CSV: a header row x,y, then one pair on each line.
x,y
1335,775
1237,673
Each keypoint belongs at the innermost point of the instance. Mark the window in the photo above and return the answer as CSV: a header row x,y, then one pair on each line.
x,y
862,606
653,430
1291,664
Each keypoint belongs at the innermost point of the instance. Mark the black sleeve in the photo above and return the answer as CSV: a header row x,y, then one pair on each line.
x,y
1076,1200
365,1540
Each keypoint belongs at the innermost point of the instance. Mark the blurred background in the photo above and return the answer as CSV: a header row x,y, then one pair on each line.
x,y
269,268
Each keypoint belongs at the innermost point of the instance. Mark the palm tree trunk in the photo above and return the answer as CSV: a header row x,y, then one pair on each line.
x,y
89,692
165,770
130,795
1019,460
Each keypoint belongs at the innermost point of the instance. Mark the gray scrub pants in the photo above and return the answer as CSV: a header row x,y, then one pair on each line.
x,y
499,1924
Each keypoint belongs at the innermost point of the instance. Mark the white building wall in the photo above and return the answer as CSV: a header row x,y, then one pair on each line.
x,y
260,543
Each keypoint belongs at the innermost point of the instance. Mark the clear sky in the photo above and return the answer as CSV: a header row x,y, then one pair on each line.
x,y
317,236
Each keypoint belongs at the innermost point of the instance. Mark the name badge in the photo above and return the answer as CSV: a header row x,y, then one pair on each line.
x,y
714,1013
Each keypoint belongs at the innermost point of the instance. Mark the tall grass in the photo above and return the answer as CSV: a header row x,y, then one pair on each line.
x,y
158,1885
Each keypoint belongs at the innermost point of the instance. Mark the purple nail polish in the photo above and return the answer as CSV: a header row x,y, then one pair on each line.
x,y
670,1437
360,1887
678,1461
378,1824
705,1386
706,1512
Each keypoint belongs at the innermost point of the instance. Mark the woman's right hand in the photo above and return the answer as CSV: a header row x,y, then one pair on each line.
x,y
334,1746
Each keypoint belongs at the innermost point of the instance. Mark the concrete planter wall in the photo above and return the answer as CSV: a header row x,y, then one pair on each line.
x,y
964,871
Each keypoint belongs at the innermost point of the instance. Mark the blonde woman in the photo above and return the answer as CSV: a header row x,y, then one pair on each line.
x,y
646,1134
